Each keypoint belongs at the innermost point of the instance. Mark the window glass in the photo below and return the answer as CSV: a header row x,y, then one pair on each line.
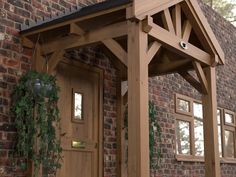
x,y
229,143
219,131
198,129
229,118
198,137
183,137
78,106
197,110
219,140
183,105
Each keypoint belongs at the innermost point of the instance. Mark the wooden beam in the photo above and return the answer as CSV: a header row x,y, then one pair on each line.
x,y
76,30
65,23
116,62
138,121
190,79
202,28
146,24
211,147
172,42
26,42
153,49
54,60
167,21
91,37
150,7
116,49
186,30
201,76
176,13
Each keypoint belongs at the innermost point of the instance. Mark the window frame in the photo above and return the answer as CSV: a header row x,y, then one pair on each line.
x,y
189,117
228,127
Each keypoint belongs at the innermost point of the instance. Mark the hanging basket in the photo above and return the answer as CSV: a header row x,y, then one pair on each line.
x,y
40,88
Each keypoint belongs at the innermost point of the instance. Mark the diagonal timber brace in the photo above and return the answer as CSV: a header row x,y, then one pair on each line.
x,y
117,50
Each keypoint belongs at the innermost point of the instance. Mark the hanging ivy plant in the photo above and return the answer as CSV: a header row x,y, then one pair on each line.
x,y
154,128
154,135
36,117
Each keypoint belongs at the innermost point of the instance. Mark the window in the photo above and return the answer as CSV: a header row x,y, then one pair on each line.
x,y
189,127
189,130
183,134
77,110
228,134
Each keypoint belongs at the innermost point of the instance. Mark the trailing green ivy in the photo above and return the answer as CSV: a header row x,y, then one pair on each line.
x,y
154,129
36,117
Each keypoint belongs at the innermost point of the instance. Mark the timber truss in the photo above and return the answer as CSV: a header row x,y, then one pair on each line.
x,y
144,38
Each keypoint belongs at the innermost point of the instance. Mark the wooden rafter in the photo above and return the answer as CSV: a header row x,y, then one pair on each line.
x,y
207,38
154,47
27,42
75,29
65,23
176,13
190,79
54,60
166,18
116,49
70,42
201,76
187,30
150,7
172,42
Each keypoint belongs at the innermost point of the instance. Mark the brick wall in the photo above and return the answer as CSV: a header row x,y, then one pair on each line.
x,y
162,90
14,60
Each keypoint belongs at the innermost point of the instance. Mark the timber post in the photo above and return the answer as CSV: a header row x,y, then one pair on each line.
x,y
211,147
138,122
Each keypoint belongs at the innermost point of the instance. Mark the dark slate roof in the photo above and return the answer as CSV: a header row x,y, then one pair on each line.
x,y
73,14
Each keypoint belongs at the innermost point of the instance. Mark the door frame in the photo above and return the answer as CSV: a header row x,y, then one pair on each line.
x,y
100,74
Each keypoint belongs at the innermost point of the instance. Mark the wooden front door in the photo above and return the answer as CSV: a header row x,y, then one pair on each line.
x,y
79,106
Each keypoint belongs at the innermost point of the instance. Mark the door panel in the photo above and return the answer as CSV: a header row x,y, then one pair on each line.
x,y
79,90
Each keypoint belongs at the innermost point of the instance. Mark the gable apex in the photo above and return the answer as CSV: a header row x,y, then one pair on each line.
x,y
193,12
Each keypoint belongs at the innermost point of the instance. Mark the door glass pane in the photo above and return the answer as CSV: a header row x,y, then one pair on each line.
x,y
197,110
183,105
198,136
183,137
78,98
229,118
229,143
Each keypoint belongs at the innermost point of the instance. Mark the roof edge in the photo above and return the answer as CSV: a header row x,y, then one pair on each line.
x,y
73,14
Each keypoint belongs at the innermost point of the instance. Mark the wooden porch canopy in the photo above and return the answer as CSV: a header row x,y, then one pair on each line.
x,y
146,38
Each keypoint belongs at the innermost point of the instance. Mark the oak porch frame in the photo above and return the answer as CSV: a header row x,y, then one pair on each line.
x,y
137,27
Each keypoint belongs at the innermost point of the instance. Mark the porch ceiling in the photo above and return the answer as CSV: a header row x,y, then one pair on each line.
x,y
179,37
